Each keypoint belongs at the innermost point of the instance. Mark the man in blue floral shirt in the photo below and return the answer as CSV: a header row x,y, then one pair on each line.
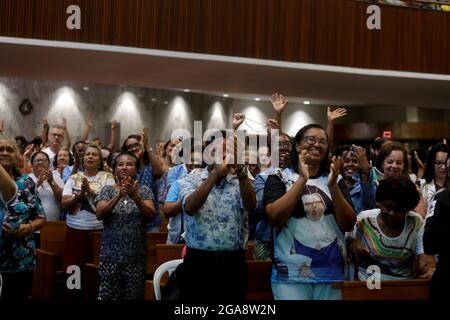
x,y
214,200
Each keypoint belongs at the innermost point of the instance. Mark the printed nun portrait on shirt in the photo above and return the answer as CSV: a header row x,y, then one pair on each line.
x,y
314,206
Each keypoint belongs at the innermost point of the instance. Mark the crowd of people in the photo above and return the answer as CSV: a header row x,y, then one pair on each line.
x,y
324,214
438,5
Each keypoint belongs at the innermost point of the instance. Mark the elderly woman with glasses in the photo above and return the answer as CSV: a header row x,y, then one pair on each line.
x,y
24,216
48,184
150,169
310,211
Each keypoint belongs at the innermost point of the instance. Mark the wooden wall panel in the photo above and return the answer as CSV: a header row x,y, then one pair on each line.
x,y
400,131
313,31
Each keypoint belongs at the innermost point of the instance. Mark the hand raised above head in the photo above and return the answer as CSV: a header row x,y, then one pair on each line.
x,y
279,102
238,119
335,114
272,124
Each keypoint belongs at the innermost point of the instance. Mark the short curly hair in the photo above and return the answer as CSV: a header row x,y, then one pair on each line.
x,y
400,190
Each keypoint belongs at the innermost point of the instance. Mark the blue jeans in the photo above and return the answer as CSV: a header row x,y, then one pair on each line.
x,y
305,291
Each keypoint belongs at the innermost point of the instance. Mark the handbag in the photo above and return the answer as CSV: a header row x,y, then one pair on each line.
x,y
171,291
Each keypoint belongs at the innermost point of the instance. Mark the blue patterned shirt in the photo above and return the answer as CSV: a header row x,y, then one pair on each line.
x,y
123,237
221,224
145,178
18,254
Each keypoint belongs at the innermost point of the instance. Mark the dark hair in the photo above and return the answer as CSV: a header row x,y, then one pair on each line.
x,y
55,160
136,161
138,138
77,143
378,142
92,145
386,150
342,150
429,166
323,167
37,142
39,152
400,190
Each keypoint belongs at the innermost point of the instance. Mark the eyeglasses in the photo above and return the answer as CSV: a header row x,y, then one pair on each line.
x,y
7,149
284,145
57,135
40,161
133,146
311,140
440,163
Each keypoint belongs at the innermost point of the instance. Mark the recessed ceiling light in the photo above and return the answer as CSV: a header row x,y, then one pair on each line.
x,y
186,90
225,95
153,99
257,99
85,88
306,102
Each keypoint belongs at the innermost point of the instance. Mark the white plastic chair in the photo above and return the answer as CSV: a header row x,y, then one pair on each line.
x,y
169,267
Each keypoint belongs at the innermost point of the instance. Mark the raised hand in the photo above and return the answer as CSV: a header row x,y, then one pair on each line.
x,y
360,155
89,121
238,118
335,114
48,176
122,189
28,151
64,123
144,137
2,126
279,102
42,177
272,124
85,187
303,168
45,122
114,124
334,170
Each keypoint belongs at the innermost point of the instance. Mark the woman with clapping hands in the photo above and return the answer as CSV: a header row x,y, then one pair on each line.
x,y
125,209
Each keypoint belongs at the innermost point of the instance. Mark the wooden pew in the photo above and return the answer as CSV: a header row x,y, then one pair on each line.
x,y
96,245
153,238
258,285
414,289
163,226
249,252
49,256
53,237
167,252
